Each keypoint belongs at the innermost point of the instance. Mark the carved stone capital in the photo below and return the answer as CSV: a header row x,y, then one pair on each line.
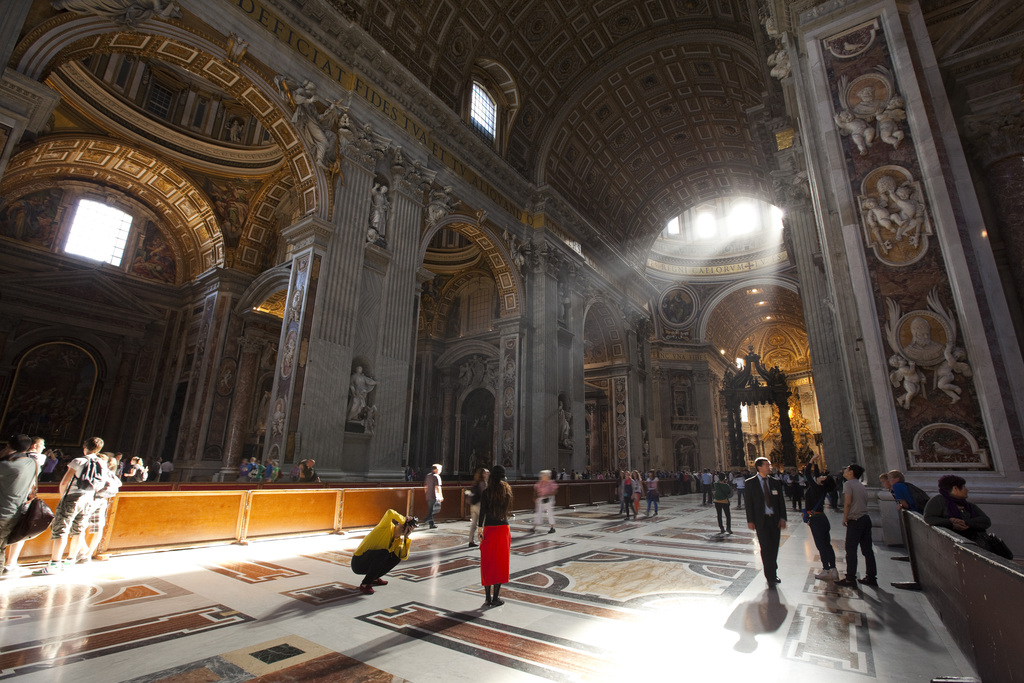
x,y
249,345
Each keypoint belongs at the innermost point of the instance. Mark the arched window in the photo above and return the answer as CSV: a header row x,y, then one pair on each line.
x,y
483,112
99,232
491,101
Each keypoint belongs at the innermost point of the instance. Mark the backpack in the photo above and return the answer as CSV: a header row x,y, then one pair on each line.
x,y
919,496
91,476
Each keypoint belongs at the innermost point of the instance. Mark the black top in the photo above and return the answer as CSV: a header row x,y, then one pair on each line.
x,y
489,516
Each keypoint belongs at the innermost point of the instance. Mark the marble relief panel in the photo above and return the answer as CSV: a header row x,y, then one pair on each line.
x,y
928,369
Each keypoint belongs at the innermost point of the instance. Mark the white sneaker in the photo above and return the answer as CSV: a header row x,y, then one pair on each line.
x,y
835,574
824,575
51,569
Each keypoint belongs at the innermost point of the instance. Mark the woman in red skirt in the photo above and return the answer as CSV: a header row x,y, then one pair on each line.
x,y
496,541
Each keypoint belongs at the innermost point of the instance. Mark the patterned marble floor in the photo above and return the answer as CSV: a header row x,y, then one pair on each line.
x,y
602,599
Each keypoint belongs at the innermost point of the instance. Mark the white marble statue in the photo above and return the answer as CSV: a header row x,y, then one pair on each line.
x,y
564,427
360,387
905,372
860,132
889,119
779,63
945,375
318,130
441,204
379,212
878,219
908,213
128,13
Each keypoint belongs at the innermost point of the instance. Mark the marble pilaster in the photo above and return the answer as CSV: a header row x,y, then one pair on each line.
x,y
204,418
287,419
903,219
540,361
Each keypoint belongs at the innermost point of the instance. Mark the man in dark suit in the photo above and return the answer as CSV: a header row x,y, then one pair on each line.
x,y
766,514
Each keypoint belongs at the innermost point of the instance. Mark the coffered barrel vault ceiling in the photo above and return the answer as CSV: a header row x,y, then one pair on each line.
x,y
632,111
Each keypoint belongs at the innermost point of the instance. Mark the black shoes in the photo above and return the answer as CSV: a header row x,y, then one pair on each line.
x,y
551,530
847,583
869,581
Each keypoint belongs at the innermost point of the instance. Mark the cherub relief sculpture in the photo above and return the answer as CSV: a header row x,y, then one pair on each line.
x,y
871,109
952,365
924,339
905,372
889,121
894,215
859,131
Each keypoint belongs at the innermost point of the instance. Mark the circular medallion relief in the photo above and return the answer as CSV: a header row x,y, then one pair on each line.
x,y
678,306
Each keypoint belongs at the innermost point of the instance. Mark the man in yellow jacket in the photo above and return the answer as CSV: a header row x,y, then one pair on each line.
x,y
382,550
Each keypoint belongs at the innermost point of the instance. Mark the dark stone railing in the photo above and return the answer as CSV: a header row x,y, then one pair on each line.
x,y
978,596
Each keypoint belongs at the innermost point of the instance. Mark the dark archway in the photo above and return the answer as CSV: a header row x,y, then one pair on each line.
x,y
746,388
476,436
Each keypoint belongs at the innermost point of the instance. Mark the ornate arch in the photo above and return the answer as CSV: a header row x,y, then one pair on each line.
x,y
506,277
133,171
609,330
708,309
67,37
451,293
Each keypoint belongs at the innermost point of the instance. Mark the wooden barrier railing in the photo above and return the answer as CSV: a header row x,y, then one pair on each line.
x,y
186,514
978,596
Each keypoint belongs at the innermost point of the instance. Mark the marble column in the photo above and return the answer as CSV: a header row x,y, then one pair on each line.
x,y
540,360
117,407
242,401
203,428
706,397
819,305
336,323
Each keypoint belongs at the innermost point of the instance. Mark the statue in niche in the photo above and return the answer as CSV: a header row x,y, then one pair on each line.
x,y
953,364
564,301
564,426
379,212
905,372
235,131
128,13
360,387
